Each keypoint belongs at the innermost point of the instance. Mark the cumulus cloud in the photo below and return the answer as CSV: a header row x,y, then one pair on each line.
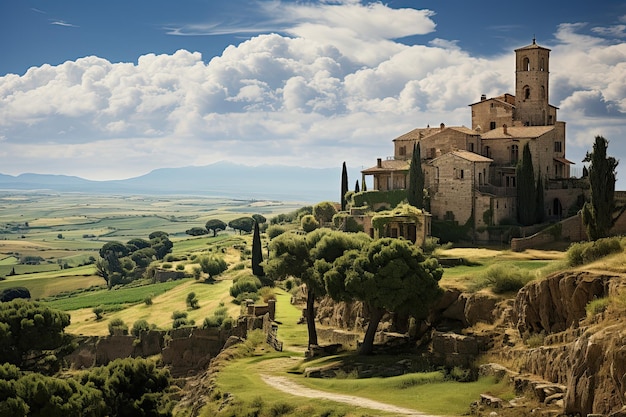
x,y
325,91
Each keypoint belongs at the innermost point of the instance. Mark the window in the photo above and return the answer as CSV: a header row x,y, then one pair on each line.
x,y
558,147
471,147
542,65
492,125
514,154
402,150
526,92
461,174
526,64
486,151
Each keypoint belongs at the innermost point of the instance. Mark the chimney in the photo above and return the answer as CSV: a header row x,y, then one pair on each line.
x,y
483,97
504,127
379,163
442,126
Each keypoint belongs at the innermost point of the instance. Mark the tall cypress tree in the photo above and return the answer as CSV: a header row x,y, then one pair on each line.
x,y
526,200
540,209
344,186
357,189
415,192
598,216
257,253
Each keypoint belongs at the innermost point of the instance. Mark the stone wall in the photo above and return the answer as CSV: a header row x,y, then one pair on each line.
x,y
572,229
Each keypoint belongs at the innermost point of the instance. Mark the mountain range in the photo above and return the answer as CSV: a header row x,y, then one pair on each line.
x,y
221,179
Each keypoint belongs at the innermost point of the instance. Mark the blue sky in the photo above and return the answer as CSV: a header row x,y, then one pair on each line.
x,y
114,89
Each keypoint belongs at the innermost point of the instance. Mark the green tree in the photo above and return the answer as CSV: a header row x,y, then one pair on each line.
x,y
161,244
196,231
243,224
387,275
526,199
344,186
213,265
257,252
143,257
540,208
357,189
309,223
259,218
215,225
137,244
118,248
30,331
131,387
192,301
307,257
324,211
33,394
415,191
598,215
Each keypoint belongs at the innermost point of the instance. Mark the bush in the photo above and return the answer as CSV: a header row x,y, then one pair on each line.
x,y
504,279
250,284
246,296
117,326
98,311
148,300
192,301
180,320
597,306
309,223
267,293
213,265
140,326
586,252
180,267
275,231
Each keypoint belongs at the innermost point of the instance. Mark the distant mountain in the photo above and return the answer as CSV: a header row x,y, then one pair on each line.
x,y
221,179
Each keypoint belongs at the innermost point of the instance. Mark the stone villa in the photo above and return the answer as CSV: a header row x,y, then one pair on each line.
x,y
473,170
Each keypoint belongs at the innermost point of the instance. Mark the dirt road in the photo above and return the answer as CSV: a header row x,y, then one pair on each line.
x,y
284,384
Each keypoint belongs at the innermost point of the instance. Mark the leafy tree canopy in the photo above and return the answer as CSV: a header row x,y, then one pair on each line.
x,y
215,225
242,224
324,211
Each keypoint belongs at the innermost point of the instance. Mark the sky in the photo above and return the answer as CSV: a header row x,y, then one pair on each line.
x,y
114,89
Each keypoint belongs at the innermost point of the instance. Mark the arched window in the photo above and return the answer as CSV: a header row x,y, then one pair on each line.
x,y
526,92
514,154
526,64
542,65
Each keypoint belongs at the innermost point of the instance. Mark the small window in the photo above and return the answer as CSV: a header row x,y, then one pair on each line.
x,y
526,64
558,147
471,147
461,174
542,64
492,125
526,93
514,154
402,150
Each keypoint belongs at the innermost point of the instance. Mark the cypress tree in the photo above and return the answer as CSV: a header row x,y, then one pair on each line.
x,y
344,186
526,200
540,209
598,216
364,186
257,253
357,189
415,192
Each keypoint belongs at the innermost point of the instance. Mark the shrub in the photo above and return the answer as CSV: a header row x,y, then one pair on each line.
x,y
180,267
180,320
192,301
267,293
534,340
117,326
140,326
585,252
596,306
275,231
309,223
167,266
213,265
148,300
249,284
503,279
246,296
98,311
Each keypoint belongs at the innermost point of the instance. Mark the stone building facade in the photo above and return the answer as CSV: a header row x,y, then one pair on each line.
x,y
473,170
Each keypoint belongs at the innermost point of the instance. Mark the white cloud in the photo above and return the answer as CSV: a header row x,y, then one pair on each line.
x,y
332,92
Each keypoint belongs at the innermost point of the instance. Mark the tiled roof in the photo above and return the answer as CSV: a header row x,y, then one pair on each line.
x,y
467,155
388,165
414,134
517,132
531,46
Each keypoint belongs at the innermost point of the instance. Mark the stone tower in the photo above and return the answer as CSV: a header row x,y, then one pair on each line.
x,y
531,87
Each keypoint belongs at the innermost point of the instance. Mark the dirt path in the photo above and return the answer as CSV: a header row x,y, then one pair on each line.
x,y
282,383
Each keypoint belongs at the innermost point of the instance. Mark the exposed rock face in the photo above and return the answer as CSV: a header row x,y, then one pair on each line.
x,y
558,302
586,355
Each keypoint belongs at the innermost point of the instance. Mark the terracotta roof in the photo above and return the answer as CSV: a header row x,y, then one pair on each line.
x,y
388,165
563,160
500,99
414,134
517,132
471,156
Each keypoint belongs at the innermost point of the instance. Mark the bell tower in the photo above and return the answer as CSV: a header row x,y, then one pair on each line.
x,y
532,64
